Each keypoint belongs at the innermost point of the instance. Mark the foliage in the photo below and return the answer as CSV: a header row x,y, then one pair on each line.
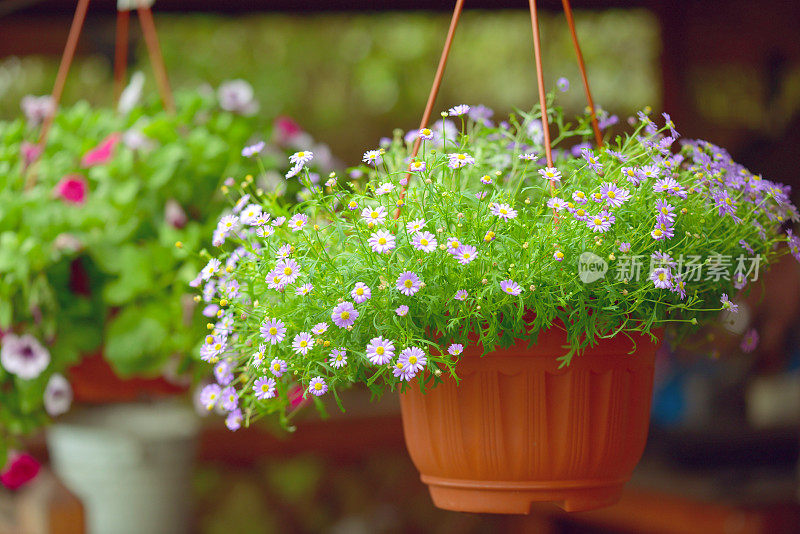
x,y
88,233
489,244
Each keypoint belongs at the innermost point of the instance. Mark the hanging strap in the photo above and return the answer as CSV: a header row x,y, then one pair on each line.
x,y
120,60
121,52
571,23
437,81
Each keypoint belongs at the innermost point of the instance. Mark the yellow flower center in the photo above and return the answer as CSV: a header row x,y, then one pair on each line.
x,y
277,367
612,194
382,241
423,242
318,386
379,351
598,221
412,360
408,283
217,346
264,388
662,276
345,315
287,271
301,154
273,331
658,232
580,212
304,343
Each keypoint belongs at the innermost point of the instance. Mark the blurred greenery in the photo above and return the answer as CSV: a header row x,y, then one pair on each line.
x,y
364,75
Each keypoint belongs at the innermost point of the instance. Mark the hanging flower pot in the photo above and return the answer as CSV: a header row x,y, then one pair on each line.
x,y
518,429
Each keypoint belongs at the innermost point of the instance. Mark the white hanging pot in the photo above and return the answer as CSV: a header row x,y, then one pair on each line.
x,y
130,464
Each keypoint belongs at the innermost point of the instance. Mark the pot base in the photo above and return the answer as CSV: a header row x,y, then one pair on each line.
x,y
499,497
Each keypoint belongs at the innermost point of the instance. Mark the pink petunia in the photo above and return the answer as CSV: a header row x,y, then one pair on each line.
x,y
72,189
102,153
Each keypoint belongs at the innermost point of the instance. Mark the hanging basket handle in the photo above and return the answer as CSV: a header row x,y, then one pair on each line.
x,y
437,81
120,59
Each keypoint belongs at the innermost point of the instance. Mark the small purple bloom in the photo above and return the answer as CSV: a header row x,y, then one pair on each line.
x,y
455,349
461,294
750,341
402,310
380,351
361,293
510,287
661,278
344,315
408,283
264,388
302,343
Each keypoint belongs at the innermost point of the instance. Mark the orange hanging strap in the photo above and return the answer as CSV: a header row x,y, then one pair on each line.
x,y
571,23
157,61
437,82
63,67
121,52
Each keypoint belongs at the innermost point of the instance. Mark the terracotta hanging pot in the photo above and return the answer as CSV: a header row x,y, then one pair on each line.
x,y
517,429
93,381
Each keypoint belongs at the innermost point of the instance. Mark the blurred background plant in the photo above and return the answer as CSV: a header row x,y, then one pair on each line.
x,y
362,75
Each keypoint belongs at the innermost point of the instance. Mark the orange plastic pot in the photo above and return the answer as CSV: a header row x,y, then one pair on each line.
x,y
517,429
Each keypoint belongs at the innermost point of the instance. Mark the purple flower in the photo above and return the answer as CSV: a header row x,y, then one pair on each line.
x,y
452,245
614,196
277,367
337,358
401,310
298,221
461,294
663,229
381,242
424,241
562,84
457,111
236,96
37,108
608,121
750,341
301,158
550,173
481,114
229,399
590,158
727,304
380,351
57,395
745,245
466,254
624,247
223,372
417,166
414,358
503,211
530,156
273,331
361,293
23,356
302,343
456,161
319,328
455,349
234,420
372,157
211,268
408,283
374,215
510,287
264,388
601,222
415,225
725,204
793,242
556,204
253,150
632,174
622,158
317,386
579,197
305,289
425,134
665,209
679,286
288,270
661,278
344,315
402,371
662,259
210,395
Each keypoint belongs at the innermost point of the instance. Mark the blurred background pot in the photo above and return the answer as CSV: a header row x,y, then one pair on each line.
x,y
130,464
517,429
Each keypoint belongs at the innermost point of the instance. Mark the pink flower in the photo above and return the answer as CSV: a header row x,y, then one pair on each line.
x,y
20,469
286,130
102,153
30,152
72,188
